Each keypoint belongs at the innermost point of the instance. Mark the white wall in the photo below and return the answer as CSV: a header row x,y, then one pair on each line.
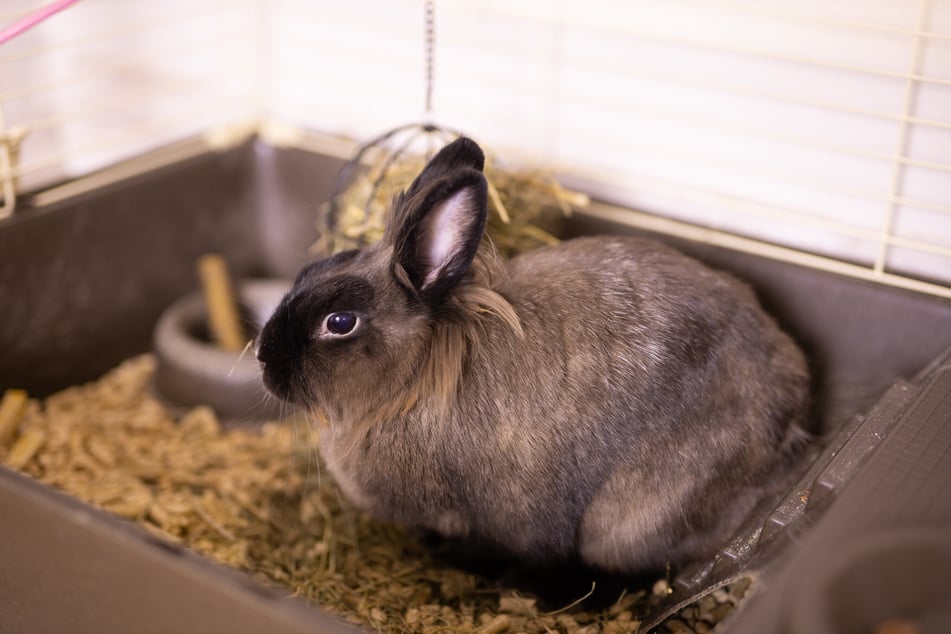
x,y
108,79
825,126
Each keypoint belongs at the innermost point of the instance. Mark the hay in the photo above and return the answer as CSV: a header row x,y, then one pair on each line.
x,y
526,207
258,500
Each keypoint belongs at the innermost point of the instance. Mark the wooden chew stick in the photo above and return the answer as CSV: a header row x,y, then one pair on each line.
x,y
11,411
223,320
25,448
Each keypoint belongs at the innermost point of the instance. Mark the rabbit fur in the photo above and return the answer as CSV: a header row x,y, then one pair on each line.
x,y
608,399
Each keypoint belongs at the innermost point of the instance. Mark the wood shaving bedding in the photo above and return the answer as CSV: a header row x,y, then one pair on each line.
x,y
257,499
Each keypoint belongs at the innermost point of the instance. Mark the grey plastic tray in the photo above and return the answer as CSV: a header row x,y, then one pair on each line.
x,y
83,282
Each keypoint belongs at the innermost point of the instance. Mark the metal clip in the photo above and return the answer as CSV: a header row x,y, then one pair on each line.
x,y
10,142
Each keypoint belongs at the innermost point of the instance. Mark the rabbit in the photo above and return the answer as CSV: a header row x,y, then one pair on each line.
x,y
607,400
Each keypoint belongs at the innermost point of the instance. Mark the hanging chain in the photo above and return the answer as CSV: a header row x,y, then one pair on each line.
x,y
429,10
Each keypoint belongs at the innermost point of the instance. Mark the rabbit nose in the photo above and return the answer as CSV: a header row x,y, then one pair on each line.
x,y
267,344
264,353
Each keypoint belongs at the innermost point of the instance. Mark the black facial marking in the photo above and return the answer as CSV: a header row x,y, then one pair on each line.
x,y
313,270
288,347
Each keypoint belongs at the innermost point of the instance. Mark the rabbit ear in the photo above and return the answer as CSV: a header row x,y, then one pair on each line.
x,y
461,153
439,225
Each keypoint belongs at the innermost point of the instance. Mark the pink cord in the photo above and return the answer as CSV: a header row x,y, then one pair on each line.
x,y
33,19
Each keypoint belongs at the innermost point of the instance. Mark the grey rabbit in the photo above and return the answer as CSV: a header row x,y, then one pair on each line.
x,y
608,400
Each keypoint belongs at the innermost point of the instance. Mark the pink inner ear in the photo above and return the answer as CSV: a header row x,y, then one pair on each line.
x,y
446,230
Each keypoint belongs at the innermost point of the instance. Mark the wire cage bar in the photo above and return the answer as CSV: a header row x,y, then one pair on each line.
x,y
820,129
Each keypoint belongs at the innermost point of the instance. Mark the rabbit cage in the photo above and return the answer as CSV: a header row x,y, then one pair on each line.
x,y
806,148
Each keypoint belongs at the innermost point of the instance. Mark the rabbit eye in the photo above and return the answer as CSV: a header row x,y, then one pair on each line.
x,y
339,324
